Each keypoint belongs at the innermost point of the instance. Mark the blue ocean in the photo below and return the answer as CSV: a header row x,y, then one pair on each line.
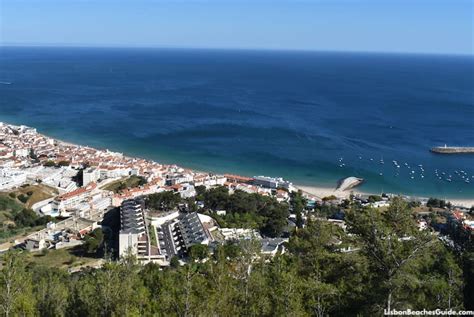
x,y
310,117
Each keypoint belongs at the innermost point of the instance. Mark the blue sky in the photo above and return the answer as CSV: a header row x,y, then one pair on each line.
x,y
422,26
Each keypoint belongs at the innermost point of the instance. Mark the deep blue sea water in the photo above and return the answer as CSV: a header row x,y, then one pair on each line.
x,y
290,114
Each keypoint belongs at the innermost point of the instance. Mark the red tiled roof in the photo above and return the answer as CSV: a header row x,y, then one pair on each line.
x,y
77,192
238,178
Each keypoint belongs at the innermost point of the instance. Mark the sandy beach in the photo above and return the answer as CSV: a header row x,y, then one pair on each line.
x,y
468,203
320,192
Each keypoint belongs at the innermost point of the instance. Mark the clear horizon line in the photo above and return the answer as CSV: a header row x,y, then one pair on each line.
x,y
308,50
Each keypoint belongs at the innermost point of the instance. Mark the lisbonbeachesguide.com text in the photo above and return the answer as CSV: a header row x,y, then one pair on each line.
x,y
424,312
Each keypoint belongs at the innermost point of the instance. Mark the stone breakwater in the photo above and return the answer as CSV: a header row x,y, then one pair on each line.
x,y
452,149
348,183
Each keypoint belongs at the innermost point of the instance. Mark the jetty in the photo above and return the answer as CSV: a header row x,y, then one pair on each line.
x,y
348,183
453,149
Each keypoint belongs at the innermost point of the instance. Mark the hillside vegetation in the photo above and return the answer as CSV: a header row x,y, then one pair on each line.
x,y
122,184
315,277
15,214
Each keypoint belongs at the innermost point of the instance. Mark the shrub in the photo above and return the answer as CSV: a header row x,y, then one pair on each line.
x,y
63,163
198,252
174,262
49,163
374,198
26,218
93,241
23,198
328,198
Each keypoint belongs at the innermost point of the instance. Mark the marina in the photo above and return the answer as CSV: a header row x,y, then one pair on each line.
x,y
418,173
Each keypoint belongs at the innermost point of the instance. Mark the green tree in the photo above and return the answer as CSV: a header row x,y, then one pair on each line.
x,y
326,290
174,262
468,276
298,203
200,191
436,203
286,294
23,198
63,163
49,163
329,198
198,252
26,218
51,288
392,243
163,201
93,240
114,290
374,198
216,198
16,297
276,215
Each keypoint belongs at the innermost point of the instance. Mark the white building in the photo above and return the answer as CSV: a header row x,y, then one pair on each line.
x,y
272,182
101,203
66,185
134,237
73,199
90,175
22,153
271,246
176,178
185,190
209,180
59,178
114,172
11,178
239,234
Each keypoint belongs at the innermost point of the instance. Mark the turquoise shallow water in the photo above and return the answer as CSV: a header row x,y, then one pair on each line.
x,y
290,114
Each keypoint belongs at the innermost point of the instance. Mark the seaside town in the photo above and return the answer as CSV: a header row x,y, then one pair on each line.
x,y
73,194
236,158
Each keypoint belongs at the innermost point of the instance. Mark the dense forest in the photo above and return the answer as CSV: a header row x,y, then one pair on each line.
x,y
391,264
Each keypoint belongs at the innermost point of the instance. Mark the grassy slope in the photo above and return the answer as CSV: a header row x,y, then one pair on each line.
x,y
40,192
62,258
129,182
9,206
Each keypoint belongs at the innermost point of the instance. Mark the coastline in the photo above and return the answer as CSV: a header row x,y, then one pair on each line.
x,y
319,191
